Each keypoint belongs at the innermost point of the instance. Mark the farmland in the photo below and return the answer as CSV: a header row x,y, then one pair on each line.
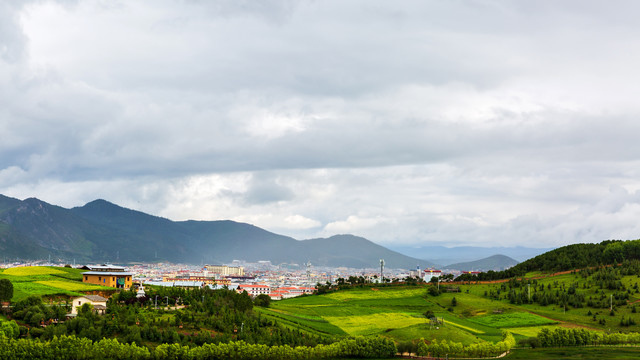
x,y
398,313
475,312
47,281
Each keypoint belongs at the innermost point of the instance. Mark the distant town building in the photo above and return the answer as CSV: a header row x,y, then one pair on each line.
x,y
290,291
431,273
416,272
202,280
225,270
254,289
108,275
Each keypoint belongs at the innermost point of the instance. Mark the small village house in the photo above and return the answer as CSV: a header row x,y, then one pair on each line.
x,y
98,302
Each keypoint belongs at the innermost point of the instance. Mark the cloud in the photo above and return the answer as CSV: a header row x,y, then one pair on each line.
x,y
454,123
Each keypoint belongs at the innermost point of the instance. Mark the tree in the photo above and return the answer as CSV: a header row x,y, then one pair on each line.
x,y
6,290
262,300
454,302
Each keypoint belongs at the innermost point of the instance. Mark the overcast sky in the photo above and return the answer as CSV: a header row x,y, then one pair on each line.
x,y
409,123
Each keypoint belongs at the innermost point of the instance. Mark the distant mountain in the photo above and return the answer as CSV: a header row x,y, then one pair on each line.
x,y
449,255
495,262
101,231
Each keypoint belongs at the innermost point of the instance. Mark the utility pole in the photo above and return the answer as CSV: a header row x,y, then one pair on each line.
x,y
381,271
611,302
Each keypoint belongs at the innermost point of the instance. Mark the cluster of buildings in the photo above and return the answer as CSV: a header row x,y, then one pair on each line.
x,y
213,276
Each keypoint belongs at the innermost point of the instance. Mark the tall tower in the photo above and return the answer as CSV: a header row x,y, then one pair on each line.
x,y
381,270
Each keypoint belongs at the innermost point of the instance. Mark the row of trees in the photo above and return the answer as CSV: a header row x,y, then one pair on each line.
x,y
455,349
71,347
582,337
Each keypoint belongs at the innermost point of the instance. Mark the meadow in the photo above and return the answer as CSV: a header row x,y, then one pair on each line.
x,y
480,311
591,353
46,281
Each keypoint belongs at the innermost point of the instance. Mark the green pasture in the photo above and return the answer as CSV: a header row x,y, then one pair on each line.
x,y
398,312
577,316
432,333
591,353
309,324
47,281
529,331
372,324
394,312
510,320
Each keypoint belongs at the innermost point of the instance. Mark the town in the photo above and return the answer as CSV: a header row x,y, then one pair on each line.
x,y
276,281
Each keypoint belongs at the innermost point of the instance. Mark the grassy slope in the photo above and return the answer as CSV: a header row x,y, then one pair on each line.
x,y
397,312
46,281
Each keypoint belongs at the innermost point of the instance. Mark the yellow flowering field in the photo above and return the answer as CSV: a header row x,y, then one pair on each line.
x,y
31,271
68,285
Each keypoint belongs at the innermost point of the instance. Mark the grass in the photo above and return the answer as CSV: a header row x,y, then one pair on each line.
x,y
515,319
594,353
47,281
374,323
398,312
432,333
529,331
313,325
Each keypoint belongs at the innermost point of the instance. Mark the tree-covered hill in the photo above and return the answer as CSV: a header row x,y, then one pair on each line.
x,y
570,257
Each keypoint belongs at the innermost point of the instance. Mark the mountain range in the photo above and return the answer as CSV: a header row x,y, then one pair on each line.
x,y
494,262
101,231
457,254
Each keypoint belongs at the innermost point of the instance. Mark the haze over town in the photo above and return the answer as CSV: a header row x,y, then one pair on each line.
x,y
485,123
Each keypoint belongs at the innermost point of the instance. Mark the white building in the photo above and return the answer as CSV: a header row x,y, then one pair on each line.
x,y
98,302
254,289
431,273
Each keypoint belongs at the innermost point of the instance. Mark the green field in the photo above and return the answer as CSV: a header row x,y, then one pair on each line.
x,y
516,319
591,353
394,312
475,316
47,281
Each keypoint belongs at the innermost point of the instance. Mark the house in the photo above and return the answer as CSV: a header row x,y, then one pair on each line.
x,y
108,275
98,302
254,289
431,273
290,291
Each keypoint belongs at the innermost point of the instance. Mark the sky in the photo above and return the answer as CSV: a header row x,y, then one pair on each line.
x,y
413,123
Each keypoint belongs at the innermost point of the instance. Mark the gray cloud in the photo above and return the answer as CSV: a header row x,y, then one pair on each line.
x,y
456,122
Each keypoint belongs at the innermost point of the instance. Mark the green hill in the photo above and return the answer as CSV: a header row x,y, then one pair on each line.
x,y
570,257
